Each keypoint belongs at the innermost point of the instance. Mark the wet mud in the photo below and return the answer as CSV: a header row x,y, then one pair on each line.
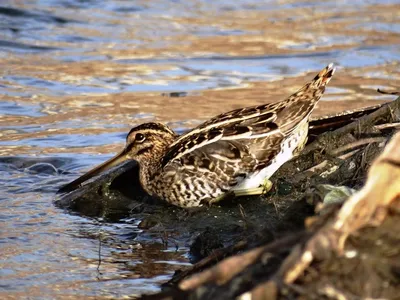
x,y
336,158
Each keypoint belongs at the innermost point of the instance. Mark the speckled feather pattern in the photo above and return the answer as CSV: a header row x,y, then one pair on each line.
x,y
232,152
218,155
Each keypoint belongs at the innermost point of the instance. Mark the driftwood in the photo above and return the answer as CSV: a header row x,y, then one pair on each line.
x,y
347,251
369,207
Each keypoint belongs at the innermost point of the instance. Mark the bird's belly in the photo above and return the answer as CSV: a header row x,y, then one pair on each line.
x,y
289,149
256,179
191,191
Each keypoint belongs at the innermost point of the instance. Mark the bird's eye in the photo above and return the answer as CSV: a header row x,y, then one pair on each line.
x,y
139,137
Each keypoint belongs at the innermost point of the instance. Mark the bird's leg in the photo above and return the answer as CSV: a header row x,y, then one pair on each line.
x,y
267,185
221,197
264,188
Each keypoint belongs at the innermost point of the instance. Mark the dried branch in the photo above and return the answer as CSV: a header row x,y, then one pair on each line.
x,y
367,207
228,268
357,144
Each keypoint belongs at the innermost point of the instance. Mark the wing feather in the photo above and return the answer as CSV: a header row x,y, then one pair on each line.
x,y
274,121
236,131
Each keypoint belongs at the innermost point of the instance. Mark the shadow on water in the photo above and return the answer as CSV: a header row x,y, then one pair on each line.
x,y
23,47
24,14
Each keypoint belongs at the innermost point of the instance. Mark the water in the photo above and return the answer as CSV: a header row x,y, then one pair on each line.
x,y
76,75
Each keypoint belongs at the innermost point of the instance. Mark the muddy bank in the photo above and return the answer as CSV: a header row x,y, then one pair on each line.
x,y
346,251
274,223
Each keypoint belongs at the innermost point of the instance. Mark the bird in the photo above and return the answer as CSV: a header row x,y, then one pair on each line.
x,y
234,153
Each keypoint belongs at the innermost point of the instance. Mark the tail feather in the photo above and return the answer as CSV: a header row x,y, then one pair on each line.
x,y
300,105
324,76
314,89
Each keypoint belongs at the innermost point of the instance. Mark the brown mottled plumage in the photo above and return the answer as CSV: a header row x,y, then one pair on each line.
x,y
232,152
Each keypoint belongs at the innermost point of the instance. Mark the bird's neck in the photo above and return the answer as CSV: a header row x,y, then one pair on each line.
x,y
150,167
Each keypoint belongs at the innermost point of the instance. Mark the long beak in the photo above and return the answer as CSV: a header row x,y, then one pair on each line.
x,y
116,160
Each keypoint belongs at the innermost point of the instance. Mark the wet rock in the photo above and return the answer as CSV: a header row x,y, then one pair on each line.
x,y
147,223
204,244
283,187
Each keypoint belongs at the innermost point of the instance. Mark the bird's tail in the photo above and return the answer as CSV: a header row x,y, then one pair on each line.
x,y
300,105
323,77
314,89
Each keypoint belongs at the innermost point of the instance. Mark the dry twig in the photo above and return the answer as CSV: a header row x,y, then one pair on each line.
x,y
367,207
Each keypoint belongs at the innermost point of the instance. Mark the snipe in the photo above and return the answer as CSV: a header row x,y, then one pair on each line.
x,y
235,152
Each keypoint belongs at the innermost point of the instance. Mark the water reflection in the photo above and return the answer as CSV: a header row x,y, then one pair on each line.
x,y
76,75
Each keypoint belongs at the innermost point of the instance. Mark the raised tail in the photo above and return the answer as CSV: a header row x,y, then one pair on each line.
x,y
312,91
324,76
299,106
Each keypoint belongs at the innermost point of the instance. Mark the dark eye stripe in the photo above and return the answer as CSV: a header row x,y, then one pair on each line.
x,y
144,150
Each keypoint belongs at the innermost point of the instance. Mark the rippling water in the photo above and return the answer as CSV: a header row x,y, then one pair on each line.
x,y
76,75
